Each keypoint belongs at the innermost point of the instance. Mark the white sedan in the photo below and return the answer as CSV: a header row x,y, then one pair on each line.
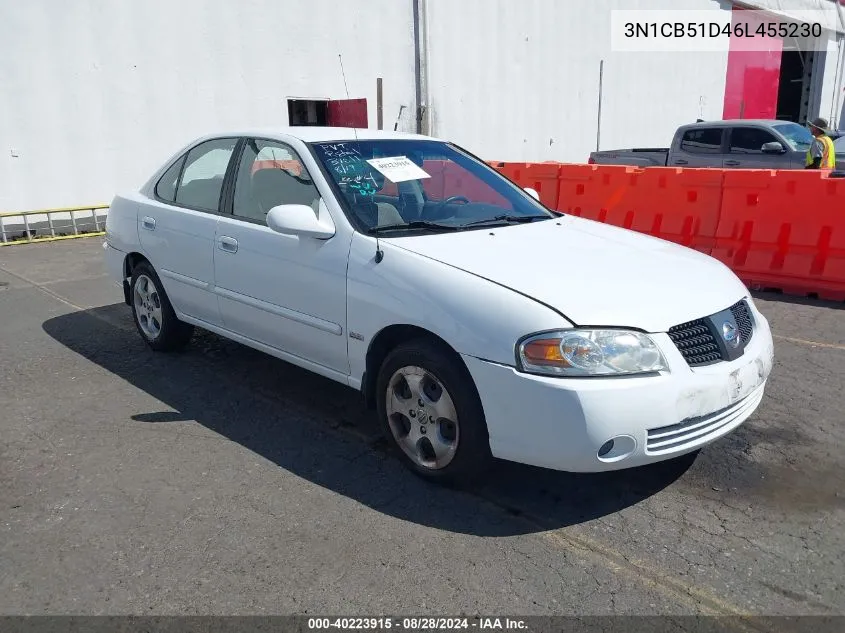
x,y
475,321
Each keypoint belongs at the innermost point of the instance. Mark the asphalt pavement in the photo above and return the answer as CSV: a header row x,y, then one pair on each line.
x,y
223,481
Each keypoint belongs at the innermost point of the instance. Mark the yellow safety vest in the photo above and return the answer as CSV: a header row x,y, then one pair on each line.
x,y
828,154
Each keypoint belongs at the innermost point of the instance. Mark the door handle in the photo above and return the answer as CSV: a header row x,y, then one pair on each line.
x,y
148,223
732,163
227,244
681,161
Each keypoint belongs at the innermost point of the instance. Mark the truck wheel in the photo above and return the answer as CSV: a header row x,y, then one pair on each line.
x,y
154,316
431,414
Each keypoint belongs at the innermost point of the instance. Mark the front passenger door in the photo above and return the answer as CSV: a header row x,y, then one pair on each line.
x,y
284,291
746,150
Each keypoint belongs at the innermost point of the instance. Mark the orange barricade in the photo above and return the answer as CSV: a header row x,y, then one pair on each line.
x,y
784,230
542,177
603,193
679,205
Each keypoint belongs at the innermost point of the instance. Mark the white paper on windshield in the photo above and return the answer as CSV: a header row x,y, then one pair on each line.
x,y
398,168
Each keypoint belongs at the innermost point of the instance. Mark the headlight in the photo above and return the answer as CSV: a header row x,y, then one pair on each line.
x,y
590,353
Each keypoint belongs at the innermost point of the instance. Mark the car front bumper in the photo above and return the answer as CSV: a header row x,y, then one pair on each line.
x,y
563,423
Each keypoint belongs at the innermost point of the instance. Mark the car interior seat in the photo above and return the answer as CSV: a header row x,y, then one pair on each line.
x,y
272,187
201,192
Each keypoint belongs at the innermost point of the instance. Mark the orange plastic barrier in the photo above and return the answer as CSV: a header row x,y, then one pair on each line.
x,y
784,230
594,193
542,177
679,205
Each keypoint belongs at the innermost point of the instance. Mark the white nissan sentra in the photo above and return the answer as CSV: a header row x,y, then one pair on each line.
x,y
475,321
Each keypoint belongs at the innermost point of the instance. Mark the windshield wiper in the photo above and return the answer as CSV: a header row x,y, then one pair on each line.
x,y
414,225
508,219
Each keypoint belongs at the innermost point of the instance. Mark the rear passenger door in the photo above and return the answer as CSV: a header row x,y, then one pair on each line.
x,y
699,147
177,227
745,150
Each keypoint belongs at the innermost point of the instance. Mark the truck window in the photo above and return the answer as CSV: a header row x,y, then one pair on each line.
x,y
702,141
749,140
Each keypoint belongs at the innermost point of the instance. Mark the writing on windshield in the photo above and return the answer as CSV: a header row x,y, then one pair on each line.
x,y
420,184
349,168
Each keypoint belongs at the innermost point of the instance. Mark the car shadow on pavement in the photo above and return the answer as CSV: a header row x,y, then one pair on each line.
x,y
319,430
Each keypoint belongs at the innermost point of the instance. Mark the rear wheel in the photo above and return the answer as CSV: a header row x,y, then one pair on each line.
x,y
431,413
154,316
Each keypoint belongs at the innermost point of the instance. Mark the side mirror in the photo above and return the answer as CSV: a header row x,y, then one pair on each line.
x,y
300,220
773,148
533,193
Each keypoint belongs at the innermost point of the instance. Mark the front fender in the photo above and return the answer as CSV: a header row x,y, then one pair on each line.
x,y
475,316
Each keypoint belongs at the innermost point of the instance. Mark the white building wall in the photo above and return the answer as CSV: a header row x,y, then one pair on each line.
x,y
95,94
519,79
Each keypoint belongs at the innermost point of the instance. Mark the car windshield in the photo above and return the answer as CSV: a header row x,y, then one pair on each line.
x,y
410,185
798,137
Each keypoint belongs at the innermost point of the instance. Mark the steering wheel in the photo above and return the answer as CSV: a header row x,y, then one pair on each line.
x,y
435,213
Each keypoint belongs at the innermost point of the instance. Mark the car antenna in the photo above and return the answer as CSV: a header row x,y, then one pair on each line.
x,y
379,252
346,88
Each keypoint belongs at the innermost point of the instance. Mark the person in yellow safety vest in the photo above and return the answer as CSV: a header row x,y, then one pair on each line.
x,y
821,154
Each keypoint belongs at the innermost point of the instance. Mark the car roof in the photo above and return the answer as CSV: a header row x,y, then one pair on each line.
x,y
314,134
734,122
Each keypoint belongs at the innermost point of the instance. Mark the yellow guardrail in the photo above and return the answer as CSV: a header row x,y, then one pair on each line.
x,y
21,227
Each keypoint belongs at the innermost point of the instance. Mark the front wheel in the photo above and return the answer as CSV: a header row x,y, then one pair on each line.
x,y
430,412
154,316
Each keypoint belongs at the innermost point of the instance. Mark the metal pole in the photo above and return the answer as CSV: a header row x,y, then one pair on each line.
x,y
379,104
601,90
418,109
839,86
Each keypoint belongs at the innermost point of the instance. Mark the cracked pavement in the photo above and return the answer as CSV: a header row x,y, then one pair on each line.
x,y
223,481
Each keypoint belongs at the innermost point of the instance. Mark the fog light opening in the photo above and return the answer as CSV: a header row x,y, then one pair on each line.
x,y
617,448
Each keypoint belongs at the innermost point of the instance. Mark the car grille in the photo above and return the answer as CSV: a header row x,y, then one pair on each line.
x,y
694,431
743,320
696,340
696,343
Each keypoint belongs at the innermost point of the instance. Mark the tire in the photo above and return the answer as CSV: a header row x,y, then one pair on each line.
x,y
153,314
414,429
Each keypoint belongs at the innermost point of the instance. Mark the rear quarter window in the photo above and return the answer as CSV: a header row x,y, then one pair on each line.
x,y
166,186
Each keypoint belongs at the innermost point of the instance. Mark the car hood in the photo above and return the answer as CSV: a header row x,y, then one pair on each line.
x,y
593,273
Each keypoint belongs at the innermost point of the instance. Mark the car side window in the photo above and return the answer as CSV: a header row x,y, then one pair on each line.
x,y
166,186
749,140
271,173
202,178
702,141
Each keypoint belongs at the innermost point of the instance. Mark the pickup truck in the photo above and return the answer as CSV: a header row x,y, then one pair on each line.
x,y
740,144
